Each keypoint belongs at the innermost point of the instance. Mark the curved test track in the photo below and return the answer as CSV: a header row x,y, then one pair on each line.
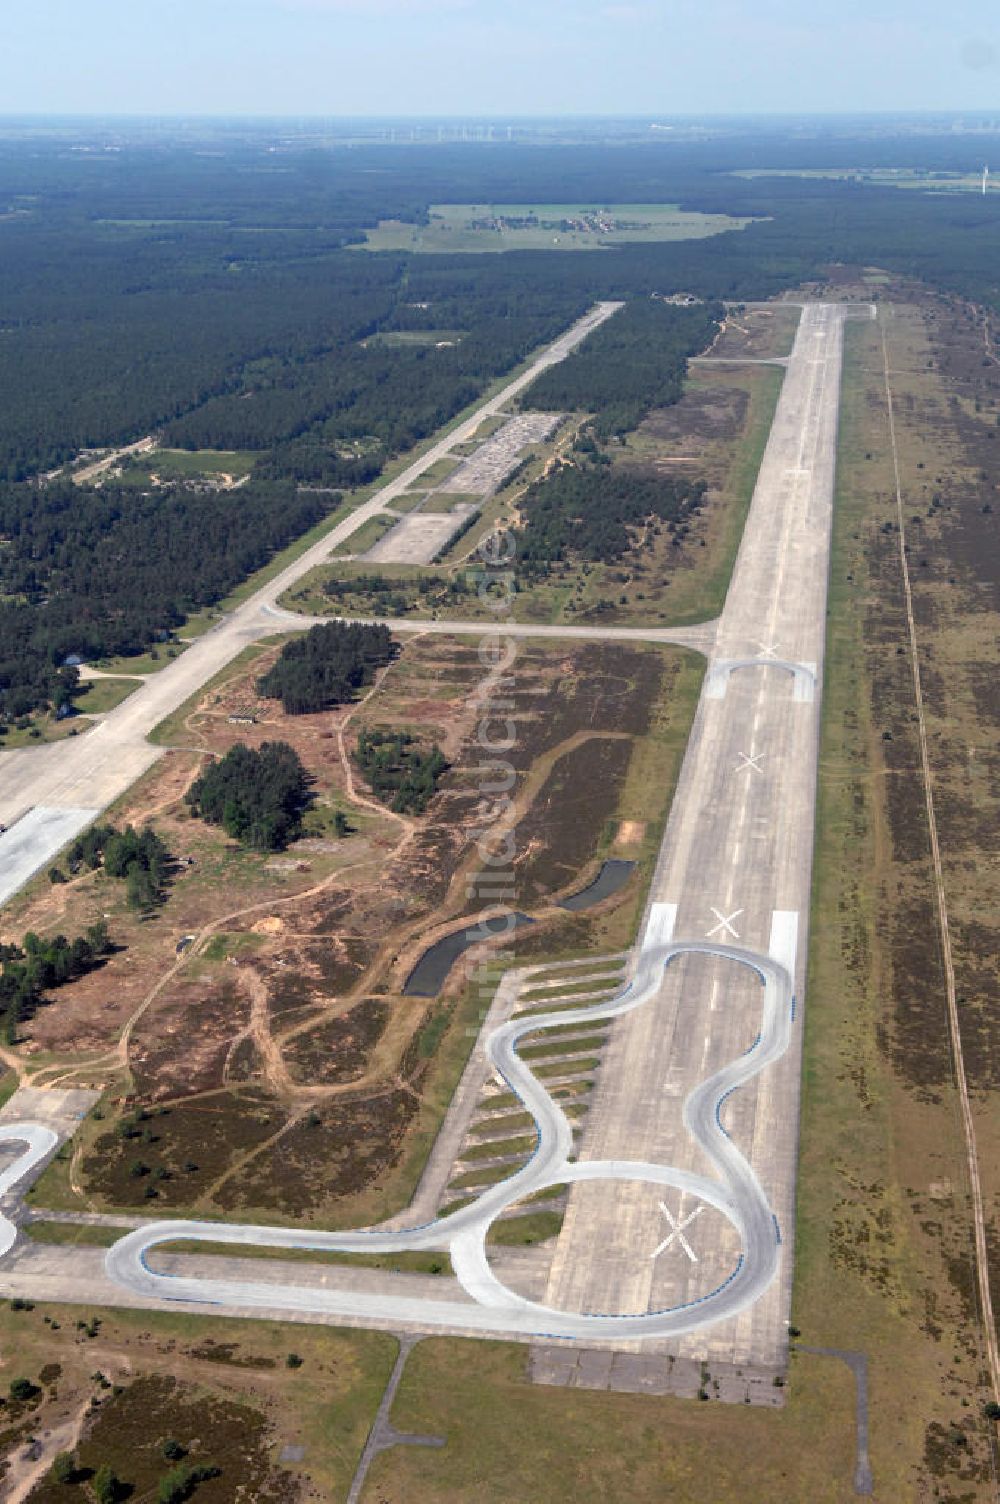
x,y
39,1141
736,1194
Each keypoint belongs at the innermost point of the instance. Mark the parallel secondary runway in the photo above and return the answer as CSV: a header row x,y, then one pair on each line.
x,y
681,1204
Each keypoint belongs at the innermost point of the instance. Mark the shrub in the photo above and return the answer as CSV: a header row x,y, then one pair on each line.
x,y
180,1483
106,1486
63,1468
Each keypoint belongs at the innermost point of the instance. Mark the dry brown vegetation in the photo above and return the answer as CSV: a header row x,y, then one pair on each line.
x,y
885,1248
115,1387
759,333
275,1065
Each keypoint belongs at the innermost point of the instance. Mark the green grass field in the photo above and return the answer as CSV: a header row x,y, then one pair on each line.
x,y
366,536
509,1440
436,473
143,663
40,728
882,177
102,695
223,466
184,462
461,227
402,338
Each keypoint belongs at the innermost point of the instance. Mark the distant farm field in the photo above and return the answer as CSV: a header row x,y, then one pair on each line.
x,y
540,227
931,181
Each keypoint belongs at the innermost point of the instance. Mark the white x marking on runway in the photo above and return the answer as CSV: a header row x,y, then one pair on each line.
x,y
749,760
768,651
724,924
677,1232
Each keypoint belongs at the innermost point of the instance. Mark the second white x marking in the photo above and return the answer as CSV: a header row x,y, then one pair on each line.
x,y
677,1231
725,923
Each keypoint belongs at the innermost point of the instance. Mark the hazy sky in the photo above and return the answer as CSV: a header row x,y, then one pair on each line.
x,y
497,57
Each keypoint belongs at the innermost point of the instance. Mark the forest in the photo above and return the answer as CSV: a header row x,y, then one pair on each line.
x,y
194,292
94,573
257,795
29,970
401,773
160,287
326,666
139,858
631,364
307,409
591,509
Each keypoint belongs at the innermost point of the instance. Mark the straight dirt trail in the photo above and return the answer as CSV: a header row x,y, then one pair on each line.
x,y
992,1351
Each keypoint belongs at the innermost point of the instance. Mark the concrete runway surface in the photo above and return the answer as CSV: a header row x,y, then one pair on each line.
x,y
681,1205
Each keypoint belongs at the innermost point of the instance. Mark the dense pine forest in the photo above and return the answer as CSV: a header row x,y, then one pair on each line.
x,y
92,573
589,509
220,298
257,795
326,666
635,362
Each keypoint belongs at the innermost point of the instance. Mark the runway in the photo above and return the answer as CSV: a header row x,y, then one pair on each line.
x,y
735,865
680,1220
